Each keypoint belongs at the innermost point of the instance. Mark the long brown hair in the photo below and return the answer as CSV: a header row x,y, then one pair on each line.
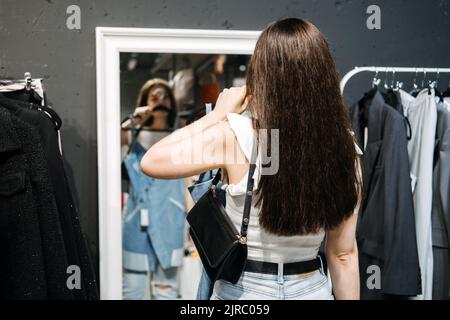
x,y
294,87
148,86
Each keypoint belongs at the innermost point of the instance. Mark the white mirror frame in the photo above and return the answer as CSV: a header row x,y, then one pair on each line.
x,y
110,42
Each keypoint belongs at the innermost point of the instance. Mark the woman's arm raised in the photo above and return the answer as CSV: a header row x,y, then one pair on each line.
x,y
198,147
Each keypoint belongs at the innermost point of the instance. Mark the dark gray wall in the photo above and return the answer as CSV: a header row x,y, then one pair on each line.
x,y
34,37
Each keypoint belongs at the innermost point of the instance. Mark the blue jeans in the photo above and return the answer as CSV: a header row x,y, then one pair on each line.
x,y
135,284
205,287
258,286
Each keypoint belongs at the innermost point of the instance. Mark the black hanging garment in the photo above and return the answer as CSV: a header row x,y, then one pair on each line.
x,y
72,236
386,227
34,261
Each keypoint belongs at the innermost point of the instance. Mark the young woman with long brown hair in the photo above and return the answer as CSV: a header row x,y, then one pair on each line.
x,y
292,85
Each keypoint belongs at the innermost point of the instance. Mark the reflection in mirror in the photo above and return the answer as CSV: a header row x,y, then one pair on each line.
x,y
161,92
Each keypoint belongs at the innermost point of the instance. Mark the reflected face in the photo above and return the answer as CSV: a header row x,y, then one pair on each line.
x,y
158,95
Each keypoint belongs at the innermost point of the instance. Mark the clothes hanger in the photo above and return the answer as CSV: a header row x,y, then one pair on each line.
x,y
431,85
34,102
389,88
386,86
364,102
392,88
43,106
435,85
393,80
415,92
375,87
376,80
422,84
416,88
391,98
391,95
25,83
398,84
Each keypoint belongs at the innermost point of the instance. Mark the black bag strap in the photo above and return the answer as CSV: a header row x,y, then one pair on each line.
x,y
217,177
249,193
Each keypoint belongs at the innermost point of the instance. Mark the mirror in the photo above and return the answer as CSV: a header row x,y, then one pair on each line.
x,y
194,65
160,92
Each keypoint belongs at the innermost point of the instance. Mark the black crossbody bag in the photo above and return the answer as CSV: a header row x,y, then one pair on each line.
x,y
221,247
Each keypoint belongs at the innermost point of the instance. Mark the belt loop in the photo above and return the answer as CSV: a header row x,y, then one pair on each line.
x,y
280,273
321,265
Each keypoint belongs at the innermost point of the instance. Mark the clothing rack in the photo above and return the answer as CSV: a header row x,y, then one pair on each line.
x,y
27,79
30,83
394,70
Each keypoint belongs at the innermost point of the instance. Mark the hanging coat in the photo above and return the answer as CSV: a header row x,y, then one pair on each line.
x,y
33,260
386,230
73,236
441,204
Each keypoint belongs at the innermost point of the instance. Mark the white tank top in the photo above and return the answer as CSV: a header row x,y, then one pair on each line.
x,y
262,245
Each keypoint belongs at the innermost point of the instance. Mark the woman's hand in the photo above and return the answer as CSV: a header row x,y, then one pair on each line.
x,y
231,100
141,114
201,146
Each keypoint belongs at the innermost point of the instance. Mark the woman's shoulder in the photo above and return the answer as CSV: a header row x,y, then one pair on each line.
x,y
242,127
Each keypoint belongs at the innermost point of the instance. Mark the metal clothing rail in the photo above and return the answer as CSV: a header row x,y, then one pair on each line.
x,y
27,80
416,70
